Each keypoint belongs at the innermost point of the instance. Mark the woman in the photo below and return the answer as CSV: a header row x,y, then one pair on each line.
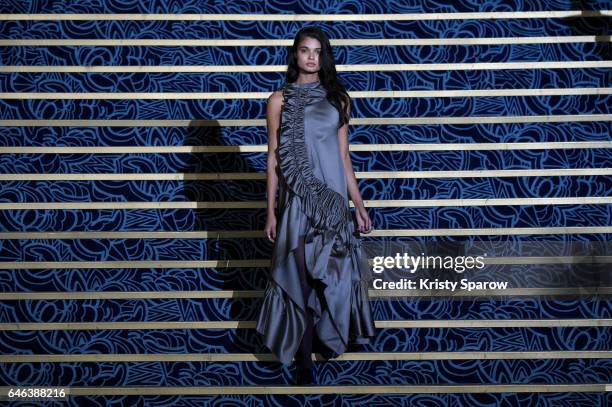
x,y
319,275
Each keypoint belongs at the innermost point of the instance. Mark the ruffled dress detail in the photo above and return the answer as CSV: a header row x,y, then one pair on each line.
x,y
313,202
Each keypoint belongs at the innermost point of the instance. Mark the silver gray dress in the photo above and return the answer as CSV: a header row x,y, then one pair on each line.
x,y
313,202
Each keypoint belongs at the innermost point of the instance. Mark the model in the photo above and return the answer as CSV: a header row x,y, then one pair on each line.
x,y
319,275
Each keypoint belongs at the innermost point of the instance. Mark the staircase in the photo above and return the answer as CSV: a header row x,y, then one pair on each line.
x,y
132,199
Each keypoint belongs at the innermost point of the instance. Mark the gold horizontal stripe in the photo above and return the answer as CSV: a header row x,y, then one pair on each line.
x,y
341,389
120,295
263,95
353,389
492,202
260,148
136,264
355,121
139,177
267,357
270,42
312,17
417,203
259,234
135,205
561,172
515,323
283,68
509,292
203,234
454,323
164,264
490,231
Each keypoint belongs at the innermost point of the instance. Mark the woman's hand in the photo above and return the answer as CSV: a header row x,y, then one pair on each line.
x,y
363,220
270,229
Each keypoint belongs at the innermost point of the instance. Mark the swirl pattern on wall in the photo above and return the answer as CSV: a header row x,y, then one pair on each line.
x,y
538,61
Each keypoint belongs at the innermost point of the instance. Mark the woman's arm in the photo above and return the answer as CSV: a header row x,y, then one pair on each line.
x,y
273,112
362,215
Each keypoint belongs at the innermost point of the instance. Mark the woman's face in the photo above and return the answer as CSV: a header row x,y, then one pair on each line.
x,y
308,55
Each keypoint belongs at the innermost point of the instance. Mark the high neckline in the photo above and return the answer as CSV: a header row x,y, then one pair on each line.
x,y
306,84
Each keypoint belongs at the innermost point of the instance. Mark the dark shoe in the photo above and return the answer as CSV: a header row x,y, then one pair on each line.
x,y
305,375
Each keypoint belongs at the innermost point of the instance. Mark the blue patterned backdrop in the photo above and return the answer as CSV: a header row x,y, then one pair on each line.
x,y
47,63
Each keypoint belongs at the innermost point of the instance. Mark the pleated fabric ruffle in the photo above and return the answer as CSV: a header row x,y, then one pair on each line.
x,y
325,208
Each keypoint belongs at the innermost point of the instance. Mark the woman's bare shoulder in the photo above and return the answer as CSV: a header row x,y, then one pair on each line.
x,y
276,97
275,101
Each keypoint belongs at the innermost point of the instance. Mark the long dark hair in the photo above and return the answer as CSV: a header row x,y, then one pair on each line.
x,y
336,91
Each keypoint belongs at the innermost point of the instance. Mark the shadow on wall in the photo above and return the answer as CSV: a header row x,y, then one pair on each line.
x,y
251,218
599,26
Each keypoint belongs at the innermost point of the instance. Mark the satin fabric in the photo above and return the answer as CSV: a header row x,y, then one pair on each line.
x,y
313,202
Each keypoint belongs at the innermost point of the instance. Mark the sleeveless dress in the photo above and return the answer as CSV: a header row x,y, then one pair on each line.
x,y
313,202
